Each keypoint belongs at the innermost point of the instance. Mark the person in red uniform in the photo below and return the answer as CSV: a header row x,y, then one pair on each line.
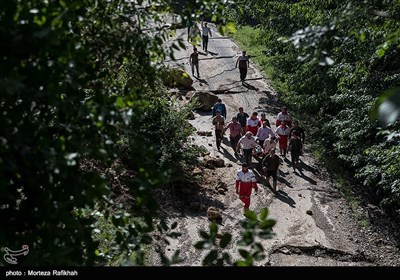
x,y
253,123
283,132
245,182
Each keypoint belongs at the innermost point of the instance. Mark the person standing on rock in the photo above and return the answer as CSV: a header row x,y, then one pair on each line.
x,y
243,62
219,106
219,121
245,182
205,32
248,144
194,61
270,165
242,119
234,129
295,148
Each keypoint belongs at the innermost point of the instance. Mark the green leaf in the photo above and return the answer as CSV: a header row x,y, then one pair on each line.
x,y
210,258
226,238
263,214
164,225
241,263
250,215
380,52
176,258
244,253
267,224
200,245
204,234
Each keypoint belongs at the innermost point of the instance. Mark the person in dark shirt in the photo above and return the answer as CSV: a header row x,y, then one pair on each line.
x,y
194,61
243,62
270,166
300,131
242,119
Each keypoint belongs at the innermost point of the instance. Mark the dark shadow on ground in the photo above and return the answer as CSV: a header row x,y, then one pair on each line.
x,y
302,165
251,87
225,152
284,181
202,81
203,112
216,57
284,197
305,177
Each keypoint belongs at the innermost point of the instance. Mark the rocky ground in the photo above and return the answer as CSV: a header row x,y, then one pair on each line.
x,y
315,225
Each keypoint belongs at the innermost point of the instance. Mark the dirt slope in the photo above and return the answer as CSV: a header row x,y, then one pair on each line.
x,y
331,236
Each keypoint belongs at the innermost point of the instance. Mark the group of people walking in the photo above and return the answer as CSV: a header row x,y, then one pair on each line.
x,y
255,137
193,32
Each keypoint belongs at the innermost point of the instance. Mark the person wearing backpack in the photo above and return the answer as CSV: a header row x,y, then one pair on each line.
x,y
219,106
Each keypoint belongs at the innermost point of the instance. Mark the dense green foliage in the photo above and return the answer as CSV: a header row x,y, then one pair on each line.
x,y
83,112
331,61
249,246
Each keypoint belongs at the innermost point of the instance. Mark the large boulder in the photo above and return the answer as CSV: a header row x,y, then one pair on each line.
x,y
205,100
177,77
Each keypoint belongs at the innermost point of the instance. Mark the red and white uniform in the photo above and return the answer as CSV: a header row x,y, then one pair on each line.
x,y
252,125
283,132
244,183
283,117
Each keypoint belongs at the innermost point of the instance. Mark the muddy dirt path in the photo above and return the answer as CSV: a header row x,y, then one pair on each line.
x,y
315,226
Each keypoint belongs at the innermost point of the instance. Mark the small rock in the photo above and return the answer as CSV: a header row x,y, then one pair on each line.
x,y
209,144
300,195
213,213
197,171
309,212
229,165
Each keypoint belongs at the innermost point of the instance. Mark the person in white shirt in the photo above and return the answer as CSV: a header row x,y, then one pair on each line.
x,y
248,143
283,116
283,132
245,182
205,32
263,133
269,144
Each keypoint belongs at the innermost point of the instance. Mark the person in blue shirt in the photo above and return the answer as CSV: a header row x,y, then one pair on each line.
x,y
219,106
